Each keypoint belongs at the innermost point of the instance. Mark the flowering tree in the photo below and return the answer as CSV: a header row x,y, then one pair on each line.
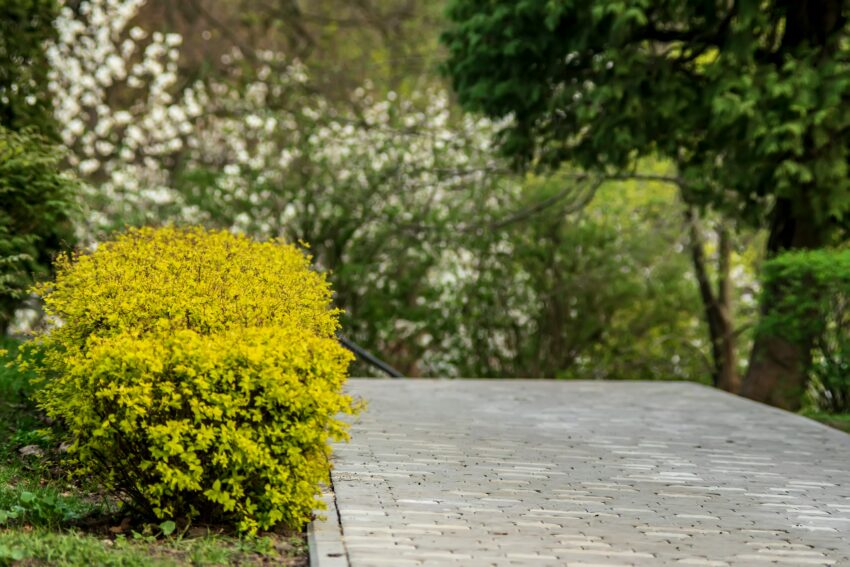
x,y
120,112
375,187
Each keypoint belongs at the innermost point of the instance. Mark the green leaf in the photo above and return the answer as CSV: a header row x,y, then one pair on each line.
x,y
10,554
167,527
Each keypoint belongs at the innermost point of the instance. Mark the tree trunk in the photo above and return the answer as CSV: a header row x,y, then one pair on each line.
x,y
776,373
728,377
717,306
7,314
777,370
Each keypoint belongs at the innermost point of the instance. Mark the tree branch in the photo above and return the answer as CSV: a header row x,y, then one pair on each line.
x,y
541,206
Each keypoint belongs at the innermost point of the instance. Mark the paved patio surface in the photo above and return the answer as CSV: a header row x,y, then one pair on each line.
x,y
526,472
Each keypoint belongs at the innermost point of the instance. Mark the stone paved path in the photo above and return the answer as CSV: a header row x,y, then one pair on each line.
x,y
585,474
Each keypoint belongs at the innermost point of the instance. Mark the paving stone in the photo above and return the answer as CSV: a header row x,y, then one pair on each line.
x,y
533,472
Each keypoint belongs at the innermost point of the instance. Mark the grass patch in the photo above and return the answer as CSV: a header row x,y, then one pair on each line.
x,y
68,548
26,499
840,421
18,418
46,519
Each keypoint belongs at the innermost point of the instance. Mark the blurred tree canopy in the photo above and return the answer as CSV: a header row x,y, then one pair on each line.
x,y
391,43
25,26
597,291
750,100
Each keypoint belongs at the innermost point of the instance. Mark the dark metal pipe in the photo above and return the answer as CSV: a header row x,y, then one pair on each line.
x,y
369,358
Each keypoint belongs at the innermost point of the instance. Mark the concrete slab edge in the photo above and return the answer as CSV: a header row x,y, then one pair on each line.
x,y
324,537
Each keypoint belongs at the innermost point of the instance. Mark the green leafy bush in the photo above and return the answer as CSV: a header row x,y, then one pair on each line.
x,y
809,295
197,373
34,218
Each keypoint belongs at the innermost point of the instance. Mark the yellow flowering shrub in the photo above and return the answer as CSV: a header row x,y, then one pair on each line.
x,y
197,373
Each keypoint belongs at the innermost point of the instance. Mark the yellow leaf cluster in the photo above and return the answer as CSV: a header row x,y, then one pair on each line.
x,y
197,373
168,278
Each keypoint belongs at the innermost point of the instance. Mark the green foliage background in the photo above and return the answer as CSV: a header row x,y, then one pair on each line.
x,y
36,219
